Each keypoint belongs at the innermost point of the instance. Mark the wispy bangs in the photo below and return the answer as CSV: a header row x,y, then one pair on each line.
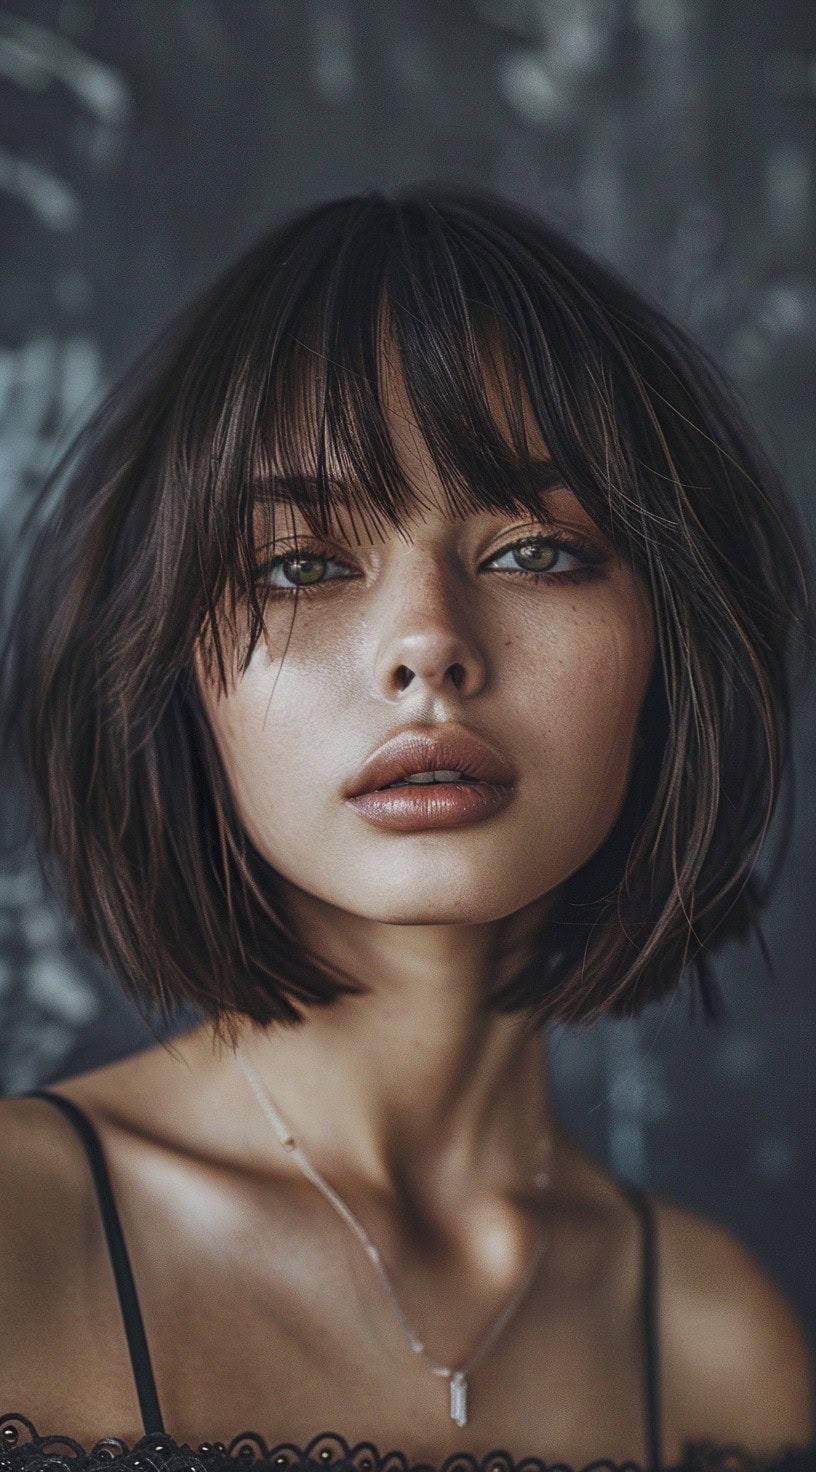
x,y
305,426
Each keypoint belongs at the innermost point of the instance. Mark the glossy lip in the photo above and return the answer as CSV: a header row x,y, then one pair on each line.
x,y
448,748
438,805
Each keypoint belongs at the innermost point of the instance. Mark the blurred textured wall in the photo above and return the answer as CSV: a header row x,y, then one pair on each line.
x,y
143,143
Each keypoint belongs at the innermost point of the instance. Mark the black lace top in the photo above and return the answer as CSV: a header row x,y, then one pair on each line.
x,y
24,1448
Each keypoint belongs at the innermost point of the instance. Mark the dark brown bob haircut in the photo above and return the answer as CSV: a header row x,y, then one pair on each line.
x,y
140,550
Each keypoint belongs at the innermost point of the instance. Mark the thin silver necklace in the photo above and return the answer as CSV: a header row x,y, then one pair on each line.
x,y
456,1376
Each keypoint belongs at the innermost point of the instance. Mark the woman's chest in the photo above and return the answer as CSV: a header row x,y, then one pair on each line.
x,y
266,1316
235,1353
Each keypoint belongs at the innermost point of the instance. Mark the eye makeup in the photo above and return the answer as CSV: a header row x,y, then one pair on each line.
x,y
587,557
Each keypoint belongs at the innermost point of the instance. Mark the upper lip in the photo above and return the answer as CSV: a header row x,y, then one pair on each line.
x,y
448,748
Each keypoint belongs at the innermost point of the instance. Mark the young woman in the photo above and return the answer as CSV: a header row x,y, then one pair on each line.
x,y
415,494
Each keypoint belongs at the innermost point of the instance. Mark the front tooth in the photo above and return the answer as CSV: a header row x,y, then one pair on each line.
x,y
424,779
432,777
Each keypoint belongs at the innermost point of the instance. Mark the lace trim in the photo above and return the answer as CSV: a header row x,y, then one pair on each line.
x,y
161,1453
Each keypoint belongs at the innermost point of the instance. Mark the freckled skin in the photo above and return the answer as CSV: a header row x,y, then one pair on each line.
x,y
555,675
562,697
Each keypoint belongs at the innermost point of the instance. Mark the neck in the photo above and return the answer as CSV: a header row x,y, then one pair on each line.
x,y
417,1089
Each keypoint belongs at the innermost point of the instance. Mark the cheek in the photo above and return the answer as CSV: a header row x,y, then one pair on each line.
x,y
587,708
269,732
600,691
566,697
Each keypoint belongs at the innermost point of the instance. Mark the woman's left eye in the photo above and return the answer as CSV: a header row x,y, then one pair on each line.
x,y
537,557
544,552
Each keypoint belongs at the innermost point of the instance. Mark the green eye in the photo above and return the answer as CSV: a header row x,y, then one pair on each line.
x,y
310,567
532,549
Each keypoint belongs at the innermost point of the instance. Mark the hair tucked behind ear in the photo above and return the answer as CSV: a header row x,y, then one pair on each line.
x,y
138,554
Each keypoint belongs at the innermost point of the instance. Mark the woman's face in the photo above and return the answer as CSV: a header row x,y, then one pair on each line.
x,y
552,673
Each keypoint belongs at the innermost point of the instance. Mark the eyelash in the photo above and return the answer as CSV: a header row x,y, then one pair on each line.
x,y
591,563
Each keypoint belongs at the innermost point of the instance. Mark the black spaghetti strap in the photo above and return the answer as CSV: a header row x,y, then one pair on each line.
x,y
125,1286
651,1362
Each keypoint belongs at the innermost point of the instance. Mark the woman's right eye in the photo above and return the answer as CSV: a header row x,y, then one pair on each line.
x,y
307,562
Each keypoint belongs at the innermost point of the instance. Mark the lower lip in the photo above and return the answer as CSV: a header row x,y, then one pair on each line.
x,y
436,805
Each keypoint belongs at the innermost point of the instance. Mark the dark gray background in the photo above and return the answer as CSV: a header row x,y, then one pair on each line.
x,y
143,143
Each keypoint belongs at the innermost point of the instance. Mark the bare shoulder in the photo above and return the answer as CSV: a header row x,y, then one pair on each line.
x,y
736,1363
43,1215
48,1208
55,1283
35,1166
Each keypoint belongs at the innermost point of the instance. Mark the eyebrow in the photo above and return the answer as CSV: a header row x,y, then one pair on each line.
x,y
302,489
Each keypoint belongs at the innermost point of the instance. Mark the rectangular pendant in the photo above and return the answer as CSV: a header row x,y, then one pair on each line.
x,y
458,1399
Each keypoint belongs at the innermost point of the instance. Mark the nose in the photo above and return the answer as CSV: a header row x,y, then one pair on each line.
x,y
427,639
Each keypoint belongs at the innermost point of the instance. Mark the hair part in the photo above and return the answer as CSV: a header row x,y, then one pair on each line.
x,y
139,560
